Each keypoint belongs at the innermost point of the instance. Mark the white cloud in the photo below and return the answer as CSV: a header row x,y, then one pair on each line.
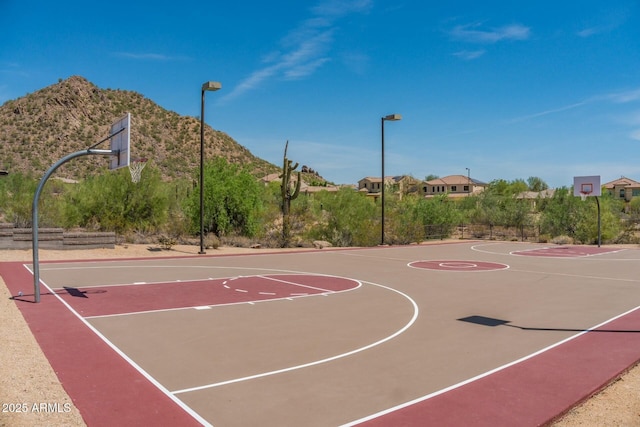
x,y
254,79
469,55
549,111
472,33
588,32
306,47
149,56
608,21
304,70
624,97
614,97
338,8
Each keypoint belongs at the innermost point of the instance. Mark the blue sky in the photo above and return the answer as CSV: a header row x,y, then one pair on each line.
x,y
508,89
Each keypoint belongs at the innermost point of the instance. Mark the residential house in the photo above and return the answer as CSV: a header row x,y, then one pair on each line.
x,y
370,184
534,196
623,188
452,185
272,177
401,184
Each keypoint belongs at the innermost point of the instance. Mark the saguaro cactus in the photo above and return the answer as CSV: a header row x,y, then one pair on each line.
x,y
288,193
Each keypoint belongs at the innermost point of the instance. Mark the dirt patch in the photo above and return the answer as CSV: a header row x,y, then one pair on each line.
x,y
28,382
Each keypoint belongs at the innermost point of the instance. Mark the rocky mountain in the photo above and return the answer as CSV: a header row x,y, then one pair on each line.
x,y
74,114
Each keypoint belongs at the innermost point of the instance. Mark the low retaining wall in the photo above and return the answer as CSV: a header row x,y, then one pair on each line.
x,y
54,238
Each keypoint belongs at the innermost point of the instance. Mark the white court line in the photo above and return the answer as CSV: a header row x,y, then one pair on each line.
x,y
254,302
296,284
288,298
499,266
182,267
583,276
115,285
486,374
321,361
592,257
137,367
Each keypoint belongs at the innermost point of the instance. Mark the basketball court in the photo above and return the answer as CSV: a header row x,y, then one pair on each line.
x,y
469,333
483,334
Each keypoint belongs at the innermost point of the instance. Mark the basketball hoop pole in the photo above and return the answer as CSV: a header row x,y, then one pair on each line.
x,y
583,196
36,198
599,232
589,186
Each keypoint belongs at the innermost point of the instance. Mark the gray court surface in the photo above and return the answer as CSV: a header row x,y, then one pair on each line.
x,y
418,321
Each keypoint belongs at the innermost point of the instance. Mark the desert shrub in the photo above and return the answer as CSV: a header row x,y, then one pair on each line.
x,y
347,218
16,198
111,202
562,240
232,201
404,221
211,241
544,238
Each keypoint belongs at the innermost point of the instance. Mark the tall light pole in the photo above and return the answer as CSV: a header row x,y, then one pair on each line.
x,y
208,86
391,118
468,181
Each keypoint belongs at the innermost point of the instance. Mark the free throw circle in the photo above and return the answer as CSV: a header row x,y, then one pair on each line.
x,y
458,265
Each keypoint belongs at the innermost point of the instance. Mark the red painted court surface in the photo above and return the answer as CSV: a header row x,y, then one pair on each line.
x,y
453,334
565,251
143,296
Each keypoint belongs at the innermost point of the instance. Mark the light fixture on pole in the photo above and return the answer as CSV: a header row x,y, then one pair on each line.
x,y
391,118
468,181
208,86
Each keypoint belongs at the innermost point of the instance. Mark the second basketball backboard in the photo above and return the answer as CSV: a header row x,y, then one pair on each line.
x,y
584,186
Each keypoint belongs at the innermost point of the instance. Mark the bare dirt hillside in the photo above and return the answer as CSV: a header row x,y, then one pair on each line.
x,y
74,114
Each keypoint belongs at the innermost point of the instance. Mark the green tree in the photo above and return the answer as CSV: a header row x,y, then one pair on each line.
x,y
517,186
16,198
232,200
587,219
536,184
503,187
565,214
436,216
347,218
488,209
558,214
112,202
404,220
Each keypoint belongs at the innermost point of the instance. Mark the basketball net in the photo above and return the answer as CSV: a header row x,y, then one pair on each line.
x,y
135,168
583,196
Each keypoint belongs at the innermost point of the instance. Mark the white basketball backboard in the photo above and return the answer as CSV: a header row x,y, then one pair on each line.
x,y
586,186
120,142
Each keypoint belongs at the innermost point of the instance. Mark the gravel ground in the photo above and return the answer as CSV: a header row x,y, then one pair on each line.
x,y
31,394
